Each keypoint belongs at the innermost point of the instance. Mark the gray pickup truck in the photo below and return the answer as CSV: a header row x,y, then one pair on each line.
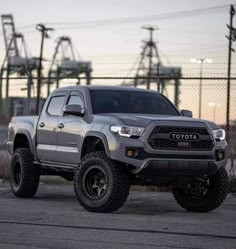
x,y
108,138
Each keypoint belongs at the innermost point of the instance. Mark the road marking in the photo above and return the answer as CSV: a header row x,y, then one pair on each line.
x,y
120,229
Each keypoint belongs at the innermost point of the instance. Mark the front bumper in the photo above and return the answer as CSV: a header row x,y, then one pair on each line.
x,y
175,167
185,162
168,162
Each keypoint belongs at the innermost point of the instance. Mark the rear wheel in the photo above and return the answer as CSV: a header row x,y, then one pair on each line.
x,y
100,184
203,194
24,176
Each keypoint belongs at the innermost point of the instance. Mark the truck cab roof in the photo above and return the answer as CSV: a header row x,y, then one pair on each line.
x,y
101,87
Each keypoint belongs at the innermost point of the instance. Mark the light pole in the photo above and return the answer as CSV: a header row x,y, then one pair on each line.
x,y
200,61
214,107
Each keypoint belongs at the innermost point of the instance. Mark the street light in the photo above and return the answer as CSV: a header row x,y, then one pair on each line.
x,y
214,107
200,61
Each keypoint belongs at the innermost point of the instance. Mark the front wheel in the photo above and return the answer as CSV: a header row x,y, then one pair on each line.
x,y
24,176
100,184
203,194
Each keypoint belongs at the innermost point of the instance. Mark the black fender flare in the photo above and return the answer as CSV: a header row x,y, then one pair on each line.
x,y
28,136
101,136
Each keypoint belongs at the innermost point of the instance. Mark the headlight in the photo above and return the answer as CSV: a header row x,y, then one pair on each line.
x,y
219,134
127,131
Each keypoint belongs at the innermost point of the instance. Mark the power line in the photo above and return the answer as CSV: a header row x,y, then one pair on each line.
x,y
200,11
162,16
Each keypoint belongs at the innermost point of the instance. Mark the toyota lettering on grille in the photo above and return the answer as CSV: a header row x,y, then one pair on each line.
x,y
184,137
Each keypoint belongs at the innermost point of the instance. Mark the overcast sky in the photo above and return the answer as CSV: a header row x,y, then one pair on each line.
x,y
179,38
114,47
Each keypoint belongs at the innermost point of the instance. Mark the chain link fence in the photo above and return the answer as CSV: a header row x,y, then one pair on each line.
x,y
19,98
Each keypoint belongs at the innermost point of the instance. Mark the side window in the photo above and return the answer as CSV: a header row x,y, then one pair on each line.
x,y
55,106
76,100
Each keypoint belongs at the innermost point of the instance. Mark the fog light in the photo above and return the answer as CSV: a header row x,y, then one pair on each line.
x,y
220,155
132,152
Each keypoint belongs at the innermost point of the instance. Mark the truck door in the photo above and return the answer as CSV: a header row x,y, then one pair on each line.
x,y
47,127
69,133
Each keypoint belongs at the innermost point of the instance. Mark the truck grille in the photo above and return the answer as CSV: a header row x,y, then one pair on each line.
x,y
160,139
166,129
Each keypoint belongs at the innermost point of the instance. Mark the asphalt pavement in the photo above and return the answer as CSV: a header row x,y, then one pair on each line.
x,y
54,219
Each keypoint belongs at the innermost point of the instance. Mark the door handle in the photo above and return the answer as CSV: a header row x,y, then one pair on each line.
x,y
61,125
42,124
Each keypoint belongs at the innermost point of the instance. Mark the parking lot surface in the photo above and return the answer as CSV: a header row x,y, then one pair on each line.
x,y
54,219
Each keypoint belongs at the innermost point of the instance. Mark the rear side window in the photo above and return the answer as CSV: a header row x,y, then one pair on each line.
x,y
55,106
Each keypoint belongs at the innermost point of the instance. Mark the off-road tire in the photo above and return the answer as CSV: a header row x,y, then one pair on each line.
x,y
25,184
213,199
118,183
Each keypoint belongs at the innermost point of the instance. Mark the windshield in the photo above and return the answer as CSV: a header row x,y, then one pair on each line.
x,y
122,101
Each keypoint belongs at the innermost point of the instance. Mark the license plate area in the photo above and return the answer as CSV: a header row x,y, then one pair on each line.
x,y
183,145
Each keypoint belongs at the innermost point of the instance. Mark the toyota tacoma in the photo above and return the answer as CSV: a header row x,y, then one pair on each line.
x,y
107,138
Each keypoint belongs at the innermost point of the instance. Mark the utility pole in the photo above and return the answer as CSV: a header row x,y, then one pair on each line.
x,y
44,34
149,52
231,37
151,29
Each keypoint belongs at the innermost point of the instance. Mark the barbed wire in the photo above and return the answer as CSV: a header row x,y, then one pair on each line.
x,y
119,77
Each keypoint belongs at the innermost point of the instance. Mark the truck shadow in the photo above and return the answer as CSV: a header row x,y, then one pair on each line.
x,y
138,203
149,206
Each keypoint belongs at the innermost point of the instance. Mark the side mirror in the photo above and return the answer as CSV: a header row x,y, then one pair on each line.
x,y
186,113
75,110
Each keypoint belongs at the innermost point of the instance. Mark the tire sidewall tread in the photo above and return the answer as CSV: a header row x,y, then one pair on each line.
x,y
29,174
118,178
210,202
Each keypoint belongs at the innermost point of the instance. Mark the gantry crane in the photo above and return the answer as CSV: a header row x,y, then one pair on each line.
x,y
151,69
65,64
16,61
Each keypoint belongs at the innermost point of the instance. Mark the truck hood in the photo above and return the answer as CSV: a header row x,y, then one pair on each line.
x,y
144,119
